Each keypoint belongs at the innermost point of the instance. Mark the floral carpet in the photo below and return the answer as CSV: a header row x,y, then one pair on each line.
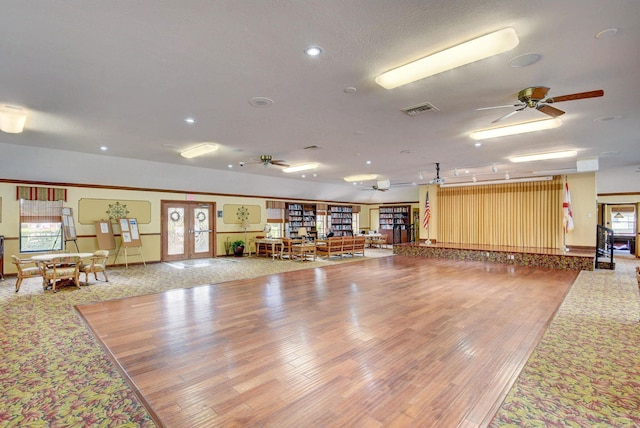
x,y
585,372
53,373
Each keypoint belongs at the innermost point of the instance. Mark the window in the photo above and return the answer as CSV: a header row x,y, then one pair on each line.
x,y
623,220
355,223
40,226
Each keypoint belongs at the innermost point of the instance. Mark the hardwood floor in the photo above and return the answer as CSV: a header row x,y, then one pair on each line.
x,y
397,341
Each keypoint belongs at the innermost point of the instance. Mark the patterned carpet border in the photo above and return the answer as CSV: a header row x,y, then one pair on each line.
x,y
585,372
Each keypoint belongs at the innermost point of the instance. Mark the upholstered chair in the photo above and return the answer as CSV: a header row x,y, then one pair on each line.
x,y
27,268
98,264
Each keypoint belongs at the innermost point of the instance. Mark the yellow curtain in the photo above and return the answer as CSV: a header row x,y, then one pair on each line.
x,y
513,214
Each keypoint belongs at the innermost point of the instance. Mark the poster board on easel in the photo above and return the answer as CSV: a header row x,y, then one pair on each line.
x,y
69,227
129,238
104,234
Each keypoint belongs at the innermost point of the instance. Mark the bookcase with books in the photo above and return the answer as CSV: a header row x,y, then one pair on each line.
x,y
301,215
395,219
341,220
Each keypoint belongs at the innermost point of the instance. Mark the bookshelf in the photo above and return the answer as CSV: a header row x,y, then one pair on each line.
x,y
395,218
341,220
301,215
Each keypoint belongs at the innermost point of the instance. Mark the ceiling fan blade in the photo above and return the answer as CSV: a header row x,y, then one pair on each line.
x,y
549,111
577,96
505,106
279,163
508,115
538,92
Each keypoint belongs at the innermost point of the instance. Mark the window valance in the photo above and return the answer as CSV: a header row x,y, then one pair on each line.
x,y
41,193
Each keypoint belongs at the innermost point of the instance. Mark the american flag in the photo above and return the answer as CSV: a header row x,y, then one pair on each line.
x,y
427,213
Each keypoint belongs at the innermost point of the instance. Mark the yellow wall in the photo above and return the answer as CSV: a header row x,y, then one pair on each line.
x,y
150,232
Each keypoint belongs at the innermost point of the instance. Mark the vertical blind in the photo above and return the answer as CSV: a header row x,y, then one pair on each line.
x,y
525,214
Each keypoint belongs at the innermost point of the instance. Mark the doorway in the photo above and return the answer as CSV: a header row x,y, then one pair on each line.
x,y
187,230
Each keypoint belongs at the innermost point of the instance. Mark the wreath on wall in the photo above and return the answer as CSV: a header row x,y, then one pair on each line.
x,y
117,211
242,213
175,216
201,216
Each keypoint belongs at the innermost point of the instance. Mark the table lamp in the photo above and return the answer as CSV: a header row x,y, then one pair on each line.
x,y
302,231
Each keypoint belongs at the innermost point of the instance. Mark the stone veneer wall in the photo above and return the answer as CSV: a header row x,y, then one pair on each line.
x,y
564,262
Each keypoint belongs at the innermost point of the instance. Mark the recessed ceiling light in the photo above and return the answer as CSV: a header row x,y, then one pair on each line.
x,y
361,177
313,50
524,60
521,128
350,90
544,156
456,56
104,148
229,166
200,150
368,162
478,144
190,120
261,102
605,34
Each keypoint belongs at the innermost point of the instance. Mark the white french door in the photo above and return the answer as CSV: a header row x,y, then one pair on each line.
x,y
188,230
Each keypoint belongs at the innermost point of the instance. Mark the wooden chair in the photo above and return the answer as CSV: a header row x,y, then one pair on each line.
x,y
27,268
60,268
286,250
98,264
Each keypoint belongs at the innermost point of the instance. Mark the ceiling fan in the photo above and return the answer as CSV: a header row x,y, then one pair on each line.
x,y
267,160
384,185
534,97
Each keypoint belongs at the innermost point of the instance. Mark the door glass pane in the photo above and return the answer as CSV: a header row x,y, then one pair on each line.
x,y
175,230
201,229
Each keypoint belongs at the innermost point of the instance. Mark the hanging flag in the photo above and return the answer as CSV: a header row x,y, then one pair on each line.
x,y
566,209
427,213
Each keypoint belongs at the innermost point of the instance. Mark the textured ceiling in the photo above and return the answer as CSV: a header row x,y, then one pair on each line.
x,y
126,74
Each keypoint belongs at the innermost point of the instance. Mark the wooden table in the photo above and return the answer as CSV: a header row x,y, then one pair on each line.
x,y
269,241
300,251
43,259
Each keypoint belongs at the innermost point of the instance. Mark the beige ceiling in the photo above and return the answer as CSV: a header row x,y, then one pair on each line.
x,y
125,74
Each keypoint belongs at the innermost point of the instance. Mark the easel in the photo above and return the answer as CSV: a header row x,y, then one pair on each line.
x,y
68,228
106,240
130,238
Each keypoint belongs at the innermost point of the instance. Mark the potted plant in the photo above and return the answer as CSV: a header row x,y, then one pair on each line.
x,y
238,248
227,246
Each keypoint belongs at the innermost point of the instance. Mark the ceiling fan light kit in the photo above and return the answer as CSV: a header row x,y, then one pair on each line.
x,y
200,150
520,128
465,53
12,119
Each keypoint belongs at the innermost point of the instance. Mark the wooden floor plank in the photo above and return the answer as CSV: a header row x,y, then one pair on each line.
x,y
381,342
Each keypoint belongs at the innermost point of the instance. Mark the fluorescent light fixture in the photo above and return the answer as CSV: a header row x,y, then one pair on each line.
x,y
200,150
520,128
301,167
12,119
465,53
544,156
513,180
361,177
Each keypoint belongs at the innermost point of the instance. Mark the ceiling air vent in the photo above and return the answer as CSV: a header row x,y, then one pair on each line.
x,y
419,109
314,147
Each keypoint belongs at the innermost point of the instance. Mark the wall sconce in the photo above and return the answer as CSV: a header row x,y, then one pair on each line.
x,y
12,119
